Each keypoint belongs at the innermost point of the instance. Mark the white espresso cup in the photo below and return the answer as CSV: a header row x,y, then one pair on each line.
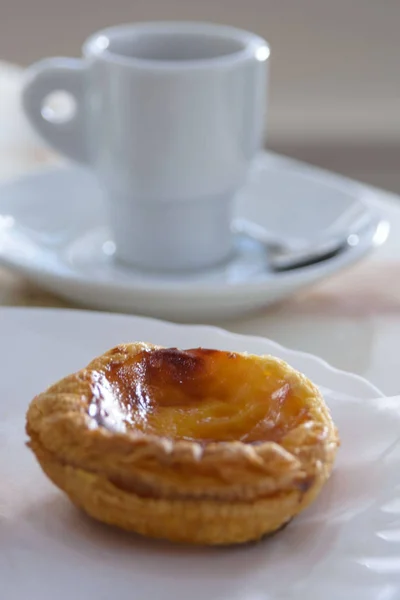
x,y
169,116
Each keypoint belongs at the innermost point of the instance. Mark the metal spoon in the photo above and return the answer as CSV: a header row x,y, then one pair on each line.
x,y
283,258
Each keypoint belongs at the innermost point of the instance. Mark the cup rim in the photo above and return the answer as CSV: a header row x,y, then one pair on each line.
x,y
254,46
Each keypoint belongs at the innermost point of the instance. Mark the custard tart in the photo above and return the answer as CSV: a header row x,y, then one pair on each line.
x,y
199,446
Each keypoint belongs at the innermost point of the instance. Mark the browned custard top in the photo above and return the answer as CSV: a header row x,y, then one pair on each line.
x,y
199,394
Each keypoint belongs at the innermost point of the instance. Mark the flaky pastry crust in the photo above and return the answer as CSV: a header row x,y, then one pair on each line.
x,y
186,490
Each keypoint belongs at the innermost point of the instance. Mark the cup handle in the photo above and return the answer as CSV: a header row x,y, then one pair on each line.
x,y
54,75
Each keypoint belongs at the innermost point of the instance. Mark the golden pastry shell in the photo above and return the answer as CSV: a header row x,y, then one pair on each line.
x,y
102,469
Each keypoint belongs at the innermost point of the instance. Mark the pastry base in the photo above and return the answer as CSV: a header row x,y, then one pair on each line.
x,y
201,522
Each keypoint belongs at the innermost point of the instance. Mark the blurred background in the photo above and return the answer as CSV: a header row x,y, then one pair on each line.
x,y
335,69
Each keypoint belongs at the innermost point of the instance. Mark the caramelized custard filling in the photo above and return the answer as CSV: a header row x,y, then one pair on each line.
x,y
199,395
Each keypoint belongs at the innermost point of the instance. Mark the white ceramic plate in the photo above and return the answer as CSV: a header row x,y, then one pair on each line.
x,y
52,229
345,547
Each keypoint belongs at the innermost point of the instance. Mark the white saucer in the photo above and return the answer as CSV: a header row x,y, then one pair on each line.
x,y
345,546
53,230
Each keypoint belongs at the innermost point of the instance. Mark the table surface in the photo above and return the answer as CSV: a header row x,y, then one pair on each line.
x,y
351,320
